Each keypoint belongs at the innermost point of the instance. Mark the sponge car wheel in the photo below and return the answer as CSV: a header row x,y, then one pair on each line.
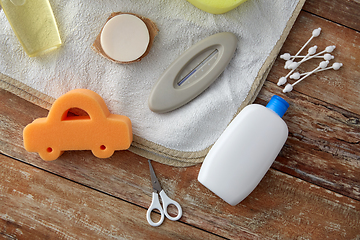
x,y
50,153
102,151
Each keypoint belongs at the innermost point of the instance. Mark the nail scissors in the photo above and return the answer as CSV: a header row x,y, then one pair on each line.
x,y
155,203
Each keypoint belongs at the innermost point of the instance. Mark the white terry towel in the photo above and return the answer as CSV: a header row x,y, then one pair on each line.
x,y
258,24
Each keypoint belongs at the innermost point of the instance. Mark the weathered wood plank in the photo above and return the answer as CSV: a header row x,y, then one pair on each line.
x,y
324,142
323,148
278,200
343,12
39,205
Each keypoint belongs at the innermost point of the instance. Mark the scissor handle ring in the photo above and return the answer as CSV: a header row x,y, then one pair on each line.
x,y
166,203
155,204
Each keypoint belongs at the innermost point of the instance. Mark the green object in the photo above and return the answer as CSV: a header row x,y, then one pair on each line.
x,y
34,24
216,6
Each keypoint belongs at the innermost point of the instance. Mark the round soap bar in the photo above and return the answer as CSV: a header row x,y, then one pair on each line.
x,y
125,38
216,6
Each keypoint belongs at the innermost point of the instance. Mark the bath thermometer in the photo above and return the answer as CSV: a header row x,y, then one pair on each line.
x,y
191,73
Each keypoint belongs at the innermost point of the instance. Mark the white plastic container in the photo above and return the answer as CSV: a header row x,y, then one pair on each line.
x,y
245,151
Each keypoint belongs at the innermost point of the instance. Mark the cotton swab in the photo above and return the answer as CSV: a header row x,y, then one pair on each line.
x,y
294,65
335,66
289,87
328,49
290,64
327,56
315,33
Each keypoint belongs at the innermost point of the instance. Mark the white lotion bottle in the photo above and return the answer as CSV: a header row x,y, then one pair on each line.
x,y
244,152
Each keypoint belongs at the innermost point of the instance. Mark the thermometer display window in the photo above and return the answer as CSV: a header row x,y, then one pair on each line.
x,y
203,66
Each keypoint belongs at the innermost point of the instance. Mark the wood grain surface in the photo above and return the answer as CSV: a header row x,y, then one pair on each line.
x,y
312,190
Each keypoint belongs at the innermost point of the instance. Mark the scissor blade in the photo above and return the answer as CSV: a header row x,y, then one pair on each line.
x,y
155,182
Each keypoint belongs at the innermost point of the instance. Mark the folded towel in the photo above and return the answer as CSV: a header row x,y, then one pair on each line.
x,y
184,134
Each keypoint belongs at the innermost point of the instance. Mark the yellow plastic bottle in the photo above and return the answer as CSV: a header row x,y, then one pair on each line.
x,y
216,6
34,24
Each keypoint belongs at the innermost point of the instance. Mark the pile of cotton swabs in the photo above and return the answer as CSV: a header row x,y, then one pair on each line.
x,y
311,54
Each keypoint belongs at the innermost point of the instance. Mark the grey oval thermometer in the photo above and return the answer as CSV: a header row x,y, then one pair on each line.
x,y
190,74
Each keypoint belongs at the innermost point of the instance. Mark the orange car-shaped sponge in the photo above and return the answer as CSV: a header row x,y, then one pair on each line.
x,y
98,131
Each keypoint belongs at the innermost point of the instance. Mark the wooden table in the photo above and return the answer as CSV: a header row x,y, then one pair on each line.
x,y
312,190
